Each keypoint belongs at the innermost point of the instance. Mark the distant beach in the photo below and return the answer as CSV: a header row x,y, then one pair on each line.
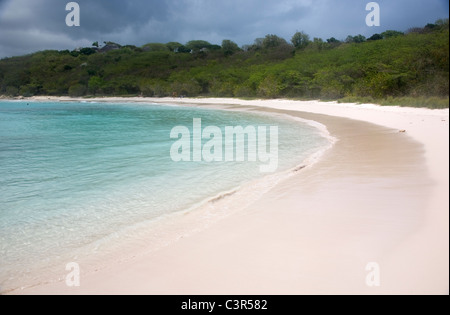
x,y
379,195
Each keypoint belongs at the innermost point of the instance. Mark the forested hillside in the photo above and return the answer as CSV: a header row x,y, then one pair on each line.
x,y
412,66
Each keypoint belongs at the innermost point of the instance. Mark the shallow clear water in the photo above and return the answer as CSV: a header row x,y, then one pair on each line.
x,y
74,173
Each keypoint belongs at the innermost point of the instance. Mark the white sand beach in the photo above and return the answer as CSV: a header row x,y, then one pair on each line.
x,y
379,195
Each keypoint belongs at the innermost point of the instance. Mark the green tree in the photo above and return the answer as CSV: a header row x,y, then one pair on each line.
x,y
196,45
273,41
431,27
229,47
442,24
77,90
318,43
183,49
258,44
155,47
28,90
300,40
11,91
359,39
87,51
376,37
173,46
332,40
355,39
270,87
95,84
391,33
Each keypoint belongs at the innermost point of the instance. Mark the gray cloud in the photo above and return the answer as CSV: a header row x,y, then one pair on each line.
x,y
30,25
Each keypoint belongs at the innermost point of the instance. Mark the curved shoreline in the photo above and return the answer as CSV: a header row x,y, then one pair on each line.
x,y
402,213
171,227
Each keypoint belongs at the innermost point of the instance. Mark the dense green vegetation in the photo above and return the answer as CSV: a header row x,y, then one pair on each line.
x,y
412,68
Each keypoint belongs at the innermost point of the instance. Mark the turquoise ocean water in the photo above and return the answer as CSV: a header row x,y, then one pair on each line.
x,y
73,174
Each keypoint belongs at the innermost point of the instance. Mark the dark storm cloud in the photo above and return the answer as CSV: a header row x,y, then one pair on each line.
x,y
26,25
241,21
30,25
97,16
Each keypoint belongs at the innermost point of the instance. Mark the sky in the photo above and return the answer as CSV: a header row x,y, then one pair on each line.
x,y
27,26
